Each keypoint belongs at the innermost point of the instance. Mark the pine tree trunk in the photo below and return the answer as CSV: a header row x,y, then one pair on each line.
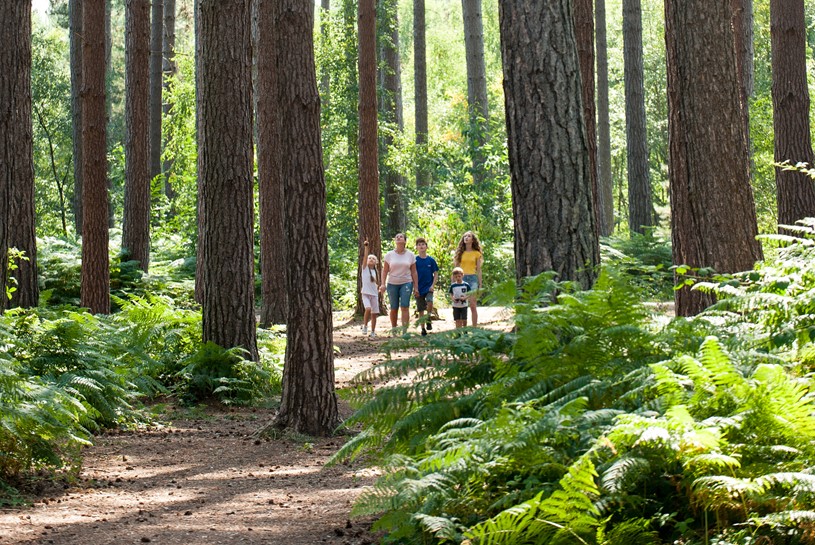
x,y
308,403
640,205
605,187
75,31
548,153
369,226
226,175
16,154
394,183
584,34
713,217
136,221
420,90
156,51
792,137
270,182
477,103
95,291
169,70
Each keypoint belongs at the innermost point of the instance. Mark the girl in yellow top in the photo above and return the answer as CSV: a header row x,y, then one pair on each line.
x,y
469,258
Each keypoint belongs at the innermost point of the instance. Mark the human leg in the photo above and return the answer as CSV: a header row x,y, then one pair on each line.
x,y
394,300
405,290
472,280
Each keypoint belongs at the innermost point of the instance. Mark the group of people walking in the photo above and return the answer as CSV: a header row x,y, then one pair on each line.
x,y
405,273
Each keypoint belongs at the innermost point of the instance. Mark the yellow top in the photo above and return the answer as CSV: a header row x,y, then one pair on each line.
x,y
469,260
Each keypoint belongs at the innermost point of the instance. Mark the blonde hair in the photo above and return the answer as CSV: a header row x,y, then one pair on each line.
x,y
458,270
376,260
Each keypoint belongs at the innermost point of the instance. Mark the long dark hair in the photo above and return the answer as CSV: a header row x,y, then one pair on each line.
x,y
462,247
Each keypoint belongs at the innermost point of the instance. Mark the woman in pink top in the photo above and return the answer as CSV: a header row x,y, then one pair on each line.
x,y
399,279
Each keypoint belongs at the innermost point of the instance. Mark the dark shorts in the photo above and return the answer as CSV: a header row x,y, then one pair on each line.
x,y
460,313
423,300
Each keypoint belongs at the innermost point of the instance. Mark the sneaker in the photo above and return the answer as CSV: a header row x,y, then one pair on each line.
x,y
372,335
430,325
365,329
424,332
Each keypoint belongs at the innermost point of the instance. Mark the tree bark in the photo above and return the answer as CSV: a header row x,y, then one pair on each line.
x,y
95,290
169,70
584,34
308,403
16,154
605,186
394,183
792,137
640,204
226,175
136,221
713,217
477,104
420,90
156,53
548,153
75,31
369,226
270,182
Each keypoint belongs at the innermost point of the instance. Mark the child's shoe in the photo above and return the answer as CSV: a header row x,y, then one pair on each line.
x,y
372,335
430,325
424,332
365,329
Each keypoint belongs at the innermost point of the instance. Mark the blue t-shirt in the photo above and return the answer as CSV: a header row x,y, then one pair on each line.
x,y
425,267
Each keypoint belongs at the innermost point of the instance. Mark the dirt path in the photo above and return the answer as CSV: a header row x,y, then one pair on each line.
x,y
203,479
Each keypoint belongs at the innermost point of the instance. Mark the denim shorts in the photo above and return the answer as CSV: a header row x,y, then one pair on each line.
x,y
472,280
399,294
423,300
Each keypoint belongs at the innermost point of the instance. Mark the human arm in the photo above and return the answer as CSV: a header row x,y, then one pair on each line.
x,y
415,278
435,279
386,267
478,263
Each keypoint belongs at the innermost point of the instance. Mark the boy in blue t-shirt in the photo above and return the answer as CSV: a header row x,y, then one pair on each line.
x,y
427,273
458,293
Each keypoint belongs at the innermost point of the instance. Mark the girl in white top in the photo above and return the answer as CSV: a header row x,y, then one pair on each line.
x,y
370,292
399,278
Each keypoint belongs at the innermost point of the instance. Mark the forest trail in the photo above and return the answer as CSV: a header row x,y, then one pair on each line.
x,y
200,477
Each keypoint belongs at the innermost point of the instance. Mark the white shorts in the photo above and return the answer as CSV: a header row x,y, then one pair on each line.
x,y
371,302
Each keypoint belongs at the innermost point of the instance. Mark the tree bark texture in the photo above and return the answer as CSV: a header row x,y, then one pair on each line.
x,y
548,153
369,226
741,17
792,138
75,31
308,403
584,34
270,182
394,183
95,290
420,89
713,216
477,103
136,221
226,175
169,70
16,148
156,53
605,185
21,220
640,205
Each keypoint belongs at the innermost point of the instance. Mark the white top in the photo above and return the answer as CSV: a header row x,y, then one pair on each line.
x,y
399,264
369,283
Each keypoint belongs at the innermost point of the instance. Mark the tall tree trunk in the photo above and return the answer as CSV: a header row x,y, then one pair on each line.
x,y
16,154
420,91
226,163
308,403
640,205
792,140
584,34
369,227
156,50
548,153
713,217
394,186
605,187
325,74
270,182
75,31
477,103
742,22
95,291
169,70
136,221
